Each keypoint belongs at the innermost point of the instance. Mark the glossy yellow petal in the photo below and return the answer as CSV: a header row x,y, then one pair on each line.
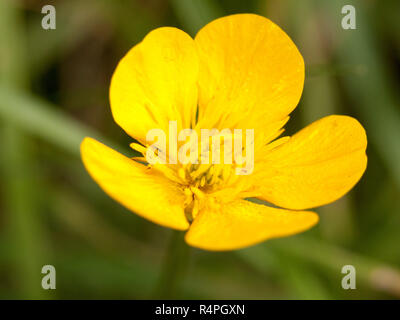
x,y
251,73
156,82
316,166
242,223
149,195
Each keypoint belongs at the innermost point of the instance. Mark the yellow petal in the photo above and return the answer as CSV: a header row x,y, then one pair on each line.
x,y
156,82
151,196
251,73
316,166
242,223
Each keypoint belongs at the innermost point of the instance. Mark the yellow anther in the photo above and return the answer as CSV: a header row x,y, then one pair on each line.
x,y
187,192
195,210
182,174
197,192
138,147
202,181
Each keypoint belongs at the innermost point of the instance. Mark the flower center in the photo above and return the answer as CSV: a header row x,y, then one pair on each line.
x,y
207,177
200,180
205,171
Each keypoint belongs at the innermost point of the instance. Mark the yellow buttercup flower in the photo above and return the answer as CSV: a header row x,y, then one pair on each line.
x,y
239,72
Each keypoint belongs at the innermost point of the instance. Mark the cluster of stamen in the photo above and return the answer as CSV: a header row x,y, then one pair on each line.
x,y
199,179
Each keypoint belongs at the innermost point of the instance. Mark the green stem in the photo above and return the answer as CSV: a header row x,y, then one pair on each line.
x,y
173,268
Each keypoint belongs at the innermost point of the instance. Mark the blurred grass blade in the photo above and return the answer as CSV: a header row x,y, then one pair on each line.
x,y
40,118
26,232
24,221
328,258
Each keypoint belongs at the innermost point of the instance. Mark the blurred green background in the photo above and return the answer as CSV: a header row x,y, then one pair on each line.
x,y
54,91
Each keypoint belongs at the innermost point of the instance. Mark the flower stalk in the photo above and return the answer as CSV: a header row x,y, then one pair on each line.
x,y
173,268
